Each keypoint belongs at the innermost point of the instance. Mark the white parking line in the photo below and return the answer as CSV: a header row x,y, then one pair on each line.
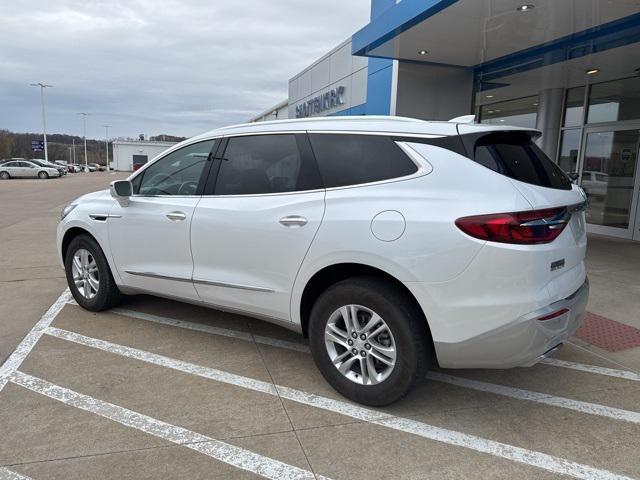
x,y
479,444
298,347
611,372
224,452
200,327
28,342
520,394
6,474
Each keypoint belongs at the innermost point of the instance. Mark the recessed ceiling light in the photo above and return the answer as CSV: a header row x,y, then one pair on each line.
x,y
525,7
422,52
593,71
496,110
489,111
491,96
501,120
535,104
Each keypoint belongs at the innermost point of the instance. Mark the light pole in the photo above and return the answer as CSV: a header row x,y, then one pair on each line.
x,y
73,141
84,136
44,119
106,143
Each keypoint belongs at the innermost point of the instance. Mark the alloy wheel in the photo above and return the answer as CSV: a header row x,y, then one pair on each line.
x,y
360,344
85,273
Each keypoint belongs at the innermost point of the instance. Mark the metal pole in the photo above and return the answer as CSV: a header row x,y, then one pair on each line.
x,y
73,140
44,117
106,143
84,136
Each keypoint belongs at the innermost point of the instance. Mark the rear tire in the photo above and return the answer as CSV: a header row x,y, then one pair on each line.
x,y
89,276
43,175
5,175
400,336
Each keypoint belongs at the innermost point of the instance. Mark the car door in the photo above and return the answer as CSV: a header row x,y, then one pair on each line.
x,y
28,169
150,237
262,207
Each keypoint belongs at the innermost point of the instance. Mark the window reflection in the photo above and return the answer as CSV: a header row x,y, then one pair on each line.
x,y
608,176
569,151
574,108
614,101
521,112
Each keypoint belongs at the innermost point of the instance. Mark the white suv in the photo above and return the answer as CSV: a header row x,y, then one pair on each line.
x,y
394,244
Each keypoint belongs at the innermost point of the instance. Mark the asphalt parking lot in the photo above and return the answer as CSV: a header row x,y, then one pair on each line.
x,y
160,389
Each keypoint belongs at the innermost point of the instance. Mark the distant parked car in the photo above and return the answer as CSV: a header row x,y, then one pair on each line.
x,y
26,168
43,163
595,183
98,167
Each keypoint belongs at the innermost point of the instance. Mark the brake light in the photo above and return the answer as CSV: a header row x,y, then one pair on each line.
x,y
525,228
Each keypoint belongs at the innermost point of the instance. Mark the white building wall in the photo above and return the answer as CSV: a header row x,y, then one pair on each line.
x,y
277,112
123,152
337,68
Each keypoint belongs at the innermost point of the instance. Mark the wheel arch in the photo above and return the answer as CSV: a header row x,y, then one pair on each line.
x,y
331,274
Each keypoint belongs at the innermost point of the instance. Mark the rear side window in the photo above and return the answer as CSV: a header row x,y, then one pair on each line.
x,y
346,159
265,164
514,155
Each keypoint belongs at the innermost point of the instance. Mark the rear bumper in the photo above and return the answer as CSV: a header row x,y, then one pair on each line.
x,y
523,342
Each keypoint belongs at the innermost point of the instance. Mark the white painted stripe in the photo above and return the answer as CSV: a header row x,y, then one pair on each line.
x,y
610,372
163,361
509,452
562,402
224,452
28,342
6,474
200,327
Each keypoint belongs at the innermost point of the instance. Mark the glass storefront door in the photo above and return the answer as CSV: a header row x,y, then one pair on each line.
x,y
609,175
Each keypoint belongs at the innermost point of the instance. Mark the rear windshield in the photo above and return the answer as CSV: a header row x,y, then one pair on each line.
x,y
514,155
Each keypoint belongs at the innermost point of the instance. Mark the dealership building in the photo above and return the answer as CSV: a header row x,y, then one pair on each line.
x,y
570,69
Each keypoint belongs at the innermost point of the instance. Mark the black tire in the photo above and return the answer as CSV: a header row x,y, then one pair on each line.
x,y
5,175
108,295
43,175
407,325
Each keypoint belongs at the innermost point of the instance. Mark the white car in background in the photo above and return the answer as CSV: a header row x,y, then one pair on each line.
x,y
26,169
395,245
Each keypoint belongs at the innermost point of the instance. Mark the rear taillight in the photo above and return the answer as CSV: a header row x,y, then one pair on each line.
x,y
527,228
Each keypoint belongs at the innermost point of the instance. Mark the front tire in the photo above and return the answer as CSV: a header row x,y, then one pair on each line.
x,y
369,341
43,175
89,276
5,175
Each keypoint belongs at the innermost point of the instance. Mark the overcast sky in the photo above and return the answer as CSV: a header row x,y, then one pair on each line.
x,y
159,66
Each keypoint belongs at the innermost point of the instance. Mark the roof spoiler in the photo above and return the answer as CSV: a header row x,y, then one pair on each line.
x,y
464,119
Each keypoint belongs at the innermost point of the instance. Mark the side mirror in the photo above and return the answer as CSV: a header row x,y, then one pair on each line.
x,y
121,190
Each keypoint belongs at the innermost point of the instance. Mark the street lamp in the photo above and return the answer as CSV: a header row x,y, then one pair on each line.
x,y
106,143
44,119
84,136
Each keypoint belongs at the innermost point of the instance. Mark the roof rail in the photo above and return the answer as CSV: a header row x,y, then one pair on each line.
x,y
355,118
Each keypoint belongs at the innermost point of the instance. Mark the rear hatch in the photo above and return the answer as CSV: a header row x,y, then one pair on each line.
x,y
514,154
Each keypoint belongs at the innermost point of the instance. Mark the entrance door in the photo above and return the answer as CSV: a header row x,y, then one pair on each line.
x,y
611,180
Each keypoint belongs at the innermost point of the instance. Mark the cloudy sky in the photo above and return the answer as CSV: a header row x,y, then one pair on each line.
x,y
159,66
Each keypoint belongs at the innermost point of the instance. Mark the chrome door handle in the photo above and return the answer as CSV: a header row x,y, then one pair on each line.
x,y
293,221
176,216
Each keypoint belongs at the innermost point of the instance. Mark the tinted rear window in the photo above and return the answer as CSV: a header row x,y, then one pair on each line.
x,y
514,155
346,159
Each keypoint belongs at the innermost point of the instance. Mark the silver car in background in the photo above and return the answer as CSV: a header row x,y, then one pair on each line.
x,y
26,169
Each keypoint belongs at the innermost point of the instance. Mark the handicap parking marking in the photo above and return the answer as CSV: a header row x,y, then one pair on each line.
x,y
230,454
6,474
451,437
29,341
